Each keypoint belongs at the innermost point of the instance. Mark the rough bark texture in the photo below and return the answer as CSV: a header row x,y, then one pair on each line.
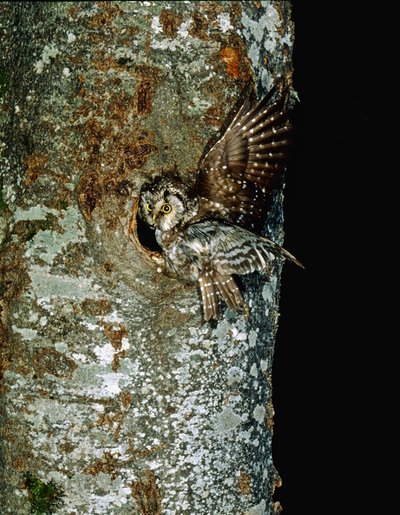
x,y
116,398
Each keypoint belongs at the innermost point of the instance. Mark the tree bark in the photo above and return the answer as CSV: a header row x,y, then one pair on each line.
x,y
116,397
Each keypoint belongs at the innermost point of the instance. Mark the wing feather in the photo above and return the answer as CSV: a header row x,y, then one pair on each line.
x,y
235,250
239,173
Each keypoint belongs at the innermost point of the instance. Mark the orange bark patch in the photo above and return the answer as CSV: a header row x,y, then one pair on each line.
x,y
214,116
137,155
244,483
96,307
52,362
170,22
107,12
199,26
126,399
4,358
34,164
147,77
145,452
89,193
147,495
144,97
269,415
117,359
107,464
19,464
230,56
115,334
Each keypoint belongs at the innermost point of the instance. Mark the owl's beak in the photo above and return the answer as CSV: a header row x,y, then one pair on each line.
x,y
154,217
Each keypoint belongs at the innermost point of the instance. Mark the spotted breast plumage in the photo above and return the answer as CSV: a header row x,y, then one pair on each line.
x,y
208,232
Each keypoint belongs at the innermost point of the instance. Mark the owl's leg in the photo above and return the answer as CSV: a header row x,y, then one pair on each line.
x,y
209,295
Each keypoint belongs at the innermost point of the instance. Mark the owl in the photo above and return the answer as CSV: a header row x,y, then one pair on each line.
x,y
209,232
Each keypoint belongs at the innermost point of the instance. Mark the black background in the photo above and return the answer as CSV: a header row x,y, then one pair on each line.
x,y
330,347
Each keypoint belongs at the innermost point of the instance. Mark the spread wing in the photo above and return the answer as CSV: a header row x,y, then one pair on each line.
x,y
237,176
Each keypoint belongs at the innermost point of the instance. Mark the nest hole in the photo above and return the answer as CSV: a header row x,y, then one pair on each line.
x,y
146,236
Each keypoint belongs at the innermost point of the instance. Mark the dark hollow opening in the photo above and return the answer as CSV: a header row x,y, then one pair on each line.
x,y
146,236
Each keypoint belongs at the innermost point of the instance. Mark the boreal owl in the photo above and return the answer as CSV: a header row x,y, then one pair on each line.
x,y
209,232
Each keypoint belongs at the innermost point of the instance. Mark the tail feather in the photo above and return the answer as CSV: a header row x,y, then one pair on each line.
x,y
229,291
209,295
213,287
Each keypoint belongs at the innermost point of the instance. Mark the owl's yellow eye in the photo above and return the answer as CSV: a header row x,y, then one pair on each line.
x,y
148,208
166,208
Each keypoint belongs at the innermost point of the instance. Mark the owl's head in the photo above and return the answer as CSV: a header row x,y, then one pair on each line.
x,y
166,202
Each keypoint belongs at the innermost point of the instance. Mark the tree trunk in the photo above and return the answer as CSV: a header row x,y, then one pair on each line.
x,y
116,397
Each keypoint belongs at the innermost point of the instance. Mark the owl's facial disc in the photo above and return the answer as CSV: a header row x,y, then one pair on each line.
x,y
166,203
168,211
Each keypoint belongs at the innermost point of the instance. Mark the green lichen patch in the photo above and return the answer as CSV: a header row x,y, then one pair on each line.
x,y
45,498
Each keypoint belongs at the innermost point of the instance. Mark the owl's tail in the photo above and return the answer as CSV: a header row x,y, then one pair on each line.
x,y
214,287
254,254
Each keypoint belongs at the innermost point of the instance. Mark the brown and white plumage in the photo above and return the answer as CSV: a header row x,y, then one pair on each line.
x,y
206,233
239,173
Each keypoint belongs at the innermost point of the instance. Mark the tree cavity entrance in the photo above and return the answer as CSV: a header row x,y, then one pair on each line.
x,y
143,235
146,236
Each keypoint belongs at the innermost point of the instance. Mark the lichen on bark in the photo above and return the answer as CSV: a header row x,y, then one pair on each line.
x,y
113,390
